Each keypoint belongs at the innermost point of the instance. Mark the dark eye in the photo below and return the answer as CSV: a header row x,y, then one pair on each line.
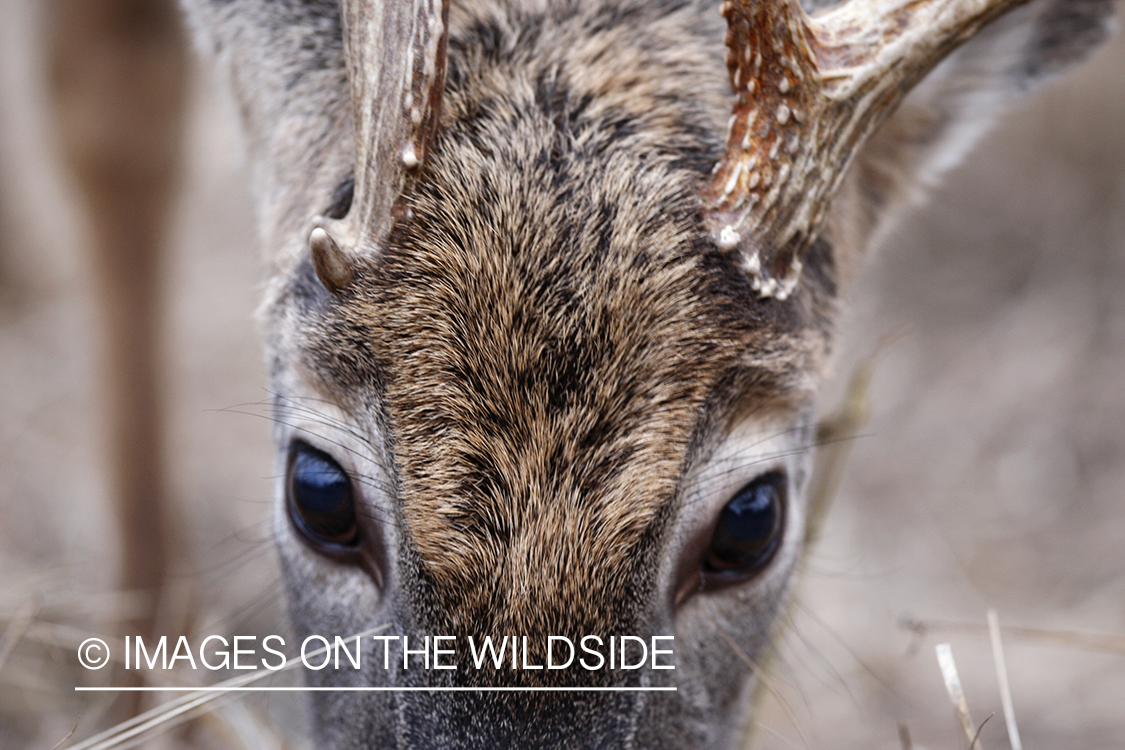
x,y
320,498
749,528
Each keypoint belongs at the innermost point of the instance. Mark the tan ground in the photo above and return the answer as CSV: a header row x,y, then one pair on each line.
x,y
991,474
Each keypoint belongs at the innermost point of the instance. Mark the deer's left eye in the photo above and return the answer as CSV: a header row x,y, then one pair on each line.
x,y
320,498
749,529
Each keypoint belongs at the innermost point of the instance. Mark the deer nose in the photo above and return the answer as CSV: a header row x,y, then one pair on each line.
x,y
517,721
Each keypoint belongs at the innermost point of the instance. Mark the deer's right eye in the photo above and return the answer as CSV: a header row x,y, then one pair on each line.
x,y
321,499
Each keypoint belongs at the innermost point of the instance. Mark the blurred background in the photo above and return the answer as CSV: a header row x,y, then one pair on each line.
x,y
990,474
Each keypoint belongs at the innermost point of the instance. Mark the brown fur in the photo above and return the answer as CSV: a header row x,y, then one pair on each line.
x,y
552,343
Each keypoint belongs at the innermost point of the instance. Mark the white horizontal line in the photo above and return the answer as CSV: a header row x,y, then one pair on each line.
x,y
380,689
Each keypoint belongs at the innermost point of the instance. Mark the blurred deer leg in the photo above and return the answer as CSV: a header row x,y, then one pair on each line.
x,y
118,70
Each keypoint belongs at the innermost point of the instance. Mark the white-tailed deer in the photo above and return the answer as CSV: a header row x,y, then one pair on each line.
x,y
546,320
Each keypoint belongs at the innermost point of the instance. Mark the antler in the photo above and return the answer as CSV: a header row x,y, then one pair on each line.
x,y
395,54
810,91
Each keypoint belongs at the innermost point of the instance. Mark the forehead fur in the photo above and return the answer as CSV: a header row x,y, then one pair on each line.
x,y
548,333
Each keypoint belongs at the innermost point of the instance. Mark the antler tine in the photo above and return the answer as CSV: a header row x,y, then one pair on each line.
x,y
810,91
395,55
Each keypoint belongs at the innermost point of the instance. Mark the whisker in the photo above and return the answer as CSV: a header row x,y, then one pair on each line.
x,y
711,477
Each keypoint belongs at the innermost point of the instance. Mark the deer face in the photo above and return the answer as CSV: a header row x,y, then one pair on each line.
x,y
557,405
551,464
545,348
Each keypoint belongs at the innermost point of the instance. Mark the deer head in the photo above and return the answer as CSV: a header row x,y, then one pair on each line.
x,y
546,322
